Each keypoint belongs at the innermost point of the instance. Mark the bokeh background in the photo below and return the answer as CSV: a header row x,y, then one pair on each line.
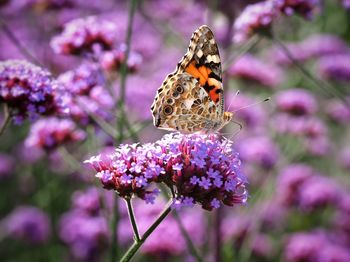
x,y
295,148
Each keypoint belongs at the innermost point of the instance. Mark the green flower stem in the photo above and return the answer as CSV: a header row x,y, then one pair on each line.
x,y
187,237
114,255
124,70
318,82
132,219
217,233
133,249
6,120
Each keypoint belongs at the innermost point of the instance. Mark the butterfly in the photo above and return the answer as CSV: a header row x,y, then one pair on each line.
x,y
191,98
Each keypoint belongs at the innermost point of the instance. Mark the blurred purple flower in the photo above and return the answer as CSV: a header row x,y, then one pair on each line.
x,y
175,160
111,60
84,94
314,246
344,158
27,223
335,67
258,150
251,68
318,192
255,18
346,4
86,235
296,101
85,35
315,46
28,90
262,246
52,132
289,181
88,200
6,165
302,7
338,111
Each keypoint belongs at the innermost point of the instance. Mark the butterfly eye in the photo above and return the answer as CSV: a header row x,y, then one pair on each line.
x,y
179,89
168,110
175,94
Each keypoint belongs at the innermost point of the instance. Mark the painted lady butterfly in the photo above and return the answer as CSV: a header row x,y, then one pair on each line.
x,y
191,98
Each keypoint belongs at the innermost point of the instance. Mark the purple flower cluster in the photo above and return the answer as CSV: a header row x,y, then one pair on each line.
x,y
335,67
27,223
300,185
314,246
28,90
197,168
297,101
52,132
251,68
338,111
85,94
111,60
85,35
302,7
314,46
6,165
296,108
83,228
255,18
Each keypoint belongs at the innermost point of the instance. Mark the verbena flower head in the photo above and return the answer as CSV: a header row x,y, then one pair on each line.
x,y
255,18
87,236
6,165
28,90
252,69
111,60
52,132
85,94
335,67
338,111
315,46
85,35
302,7
197,168
202,169
346,4
27,223
296,101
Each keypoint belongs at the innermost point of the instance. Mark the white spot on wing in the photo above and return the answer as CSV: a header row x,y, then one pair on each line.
x,y
188,103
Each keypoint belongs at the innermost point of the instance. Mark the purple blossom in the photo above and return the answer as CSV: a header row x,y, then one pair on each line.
x,y
258,150
253,69
85,235
52,132
183,161
150,197
6,165
344,158
88,201
346,4
296,102
335,67
84,35
314,246
28,90
27,223
302,7
338,111
255,18
215,203
315,46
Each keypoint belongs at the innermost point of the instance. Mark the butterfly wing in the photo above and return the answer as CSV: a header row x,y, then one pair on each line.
x,y
191,98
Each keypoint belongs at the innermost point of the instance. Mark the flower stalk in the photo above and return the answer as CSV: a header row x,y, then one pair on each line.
x,y
137,244
132,219
6,119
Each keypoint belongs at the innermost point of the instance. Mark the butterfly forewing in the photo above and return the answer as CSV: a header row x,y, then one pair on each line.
x,y
194,90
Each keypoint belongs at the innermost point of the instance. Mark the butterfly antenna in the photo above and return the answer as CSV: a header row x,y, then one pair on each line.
x,y
229,106
254,104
